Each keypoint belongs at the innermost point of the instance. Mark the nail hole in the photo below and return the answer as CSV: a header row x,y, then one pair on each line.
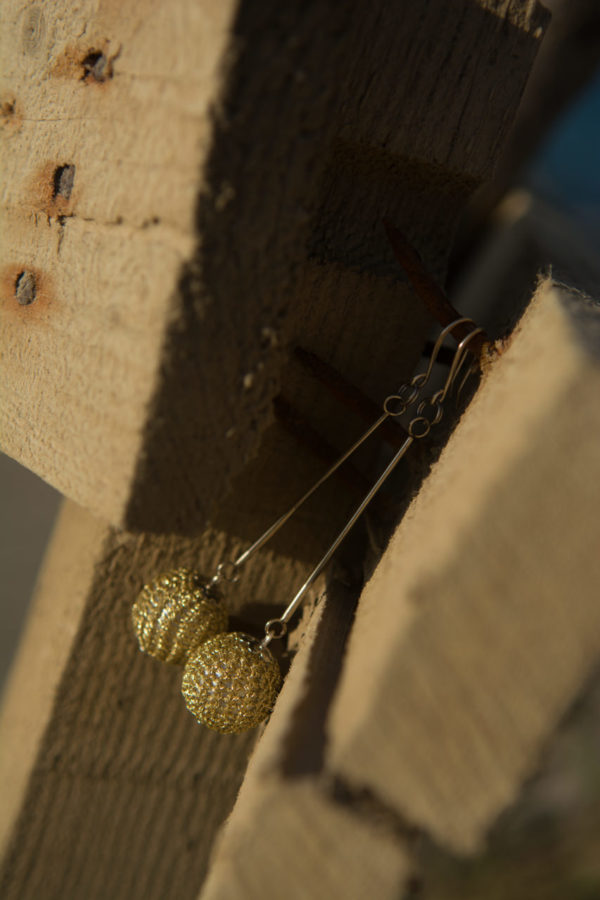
x,y
95,66
64,176
25,288
7,108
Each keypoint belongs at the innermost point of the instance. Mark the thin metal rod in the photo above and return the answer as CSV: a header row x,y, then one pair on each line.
x,y
419,382
348,394
300,429
283,519
295,603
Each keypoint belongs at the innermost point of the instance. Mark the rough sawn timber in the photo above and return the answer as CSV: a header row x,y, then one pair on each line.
x,y
476,633
109,786
290,833
481,624
191,189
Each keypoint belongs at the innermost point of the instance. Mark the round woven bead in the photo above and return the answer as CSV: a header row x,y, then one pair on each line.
x,y
175,613
230,683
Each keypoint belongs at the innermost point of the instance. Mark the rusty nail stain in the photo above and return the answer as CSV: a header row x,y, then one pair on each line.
x,y
63,179
7,108
95,66
25,288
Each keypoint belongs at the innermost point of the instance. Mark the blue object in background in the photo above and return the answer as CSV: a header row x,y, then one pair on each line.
x,y
565,172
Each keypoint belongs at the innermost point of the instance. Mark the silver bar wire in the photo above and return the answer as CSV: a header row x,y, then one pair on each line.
x,y
295,603
280,625
418,383
283,519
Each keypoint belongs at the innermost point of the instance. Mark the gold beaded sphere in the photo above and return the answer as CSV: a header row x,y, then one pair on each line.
x,y
175,613
230,683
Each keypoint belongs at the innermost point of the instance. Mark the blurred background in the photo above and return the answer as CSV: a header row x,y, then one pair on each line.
x,y
542,212
27,511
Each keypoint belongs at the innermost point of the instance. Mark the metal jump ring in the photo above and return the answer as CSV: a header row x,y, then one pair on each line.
x,y
226,571
417,423
394,398
275,629
434,403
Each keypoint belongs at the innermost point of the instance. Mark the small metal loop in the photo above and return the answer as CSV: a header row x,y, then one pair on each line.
x,y
275,629
418,423
226,571
435,405
419,380
394,398
405,396
408,392
437,398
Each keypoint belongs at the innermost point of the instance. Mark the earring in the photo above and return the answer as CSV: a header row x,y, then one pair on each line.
x,y
177,612
230,681
180,609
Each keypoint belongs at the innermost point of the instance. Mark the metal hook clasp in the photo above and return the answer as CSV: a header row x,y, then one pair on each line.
x,y
459,356
425,376
397,404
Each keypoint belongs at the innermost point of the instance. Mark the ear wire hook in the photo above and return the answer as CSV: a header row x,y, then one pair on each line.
x,y
228,570
470,368
437,347
459,357
418,382
419,427
470,371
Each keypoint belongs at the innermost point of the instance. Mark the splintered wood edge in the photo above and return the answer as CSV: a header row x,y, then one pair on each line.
x,y
481,622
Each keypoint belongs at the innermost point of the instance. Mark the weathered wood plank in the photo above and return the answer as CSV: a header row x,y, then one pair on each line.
x,y
294,841
481,623
189,191
109,786
289,833
475,633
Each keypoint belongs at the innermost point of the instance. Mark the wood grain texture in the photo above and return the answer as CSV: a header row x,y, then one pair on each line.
x,y
230,169
473,637
481,623
296,842
290,834
110,788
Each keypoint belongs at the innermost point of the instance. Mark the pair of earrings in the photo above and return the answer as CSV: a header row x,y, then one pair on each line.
x,y
230,679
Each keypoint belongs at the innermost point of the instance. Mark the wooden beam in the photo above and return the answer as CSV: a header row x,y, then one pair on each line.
x,y
109,786
474,635
481,623
289,833
189,190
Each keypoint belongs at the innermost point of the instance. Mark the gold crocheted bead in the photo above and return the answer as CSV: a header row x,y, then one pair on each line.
x,y
230,683
175,613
